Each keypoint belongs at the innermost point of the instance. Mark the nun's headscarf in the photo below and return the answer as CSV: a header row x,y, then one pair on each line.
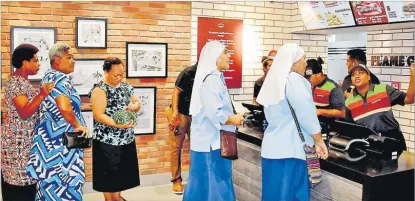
x,y
207,64
273,89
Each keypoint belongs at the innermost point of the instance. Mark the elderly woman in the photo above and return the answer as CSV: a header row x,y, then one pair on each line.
x,y
59,171
284,169
114,154
210,176
22,104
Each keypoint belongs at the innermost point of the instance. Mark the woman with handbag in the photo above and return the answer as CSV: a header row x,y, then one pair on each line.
x,y
210,175
114,154
22,103
292,131
59,171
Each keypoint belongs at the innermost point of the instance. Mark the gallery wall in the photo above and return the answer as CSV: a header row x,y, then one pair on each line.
x,y
163,22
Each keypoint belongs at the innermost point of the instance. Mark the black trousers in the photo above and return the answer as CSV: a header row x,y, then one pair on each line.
x,y
17,193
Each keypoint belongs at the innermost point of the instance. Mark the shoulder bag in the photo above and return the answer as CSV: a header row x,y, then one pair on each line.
x,y
228,141
313,162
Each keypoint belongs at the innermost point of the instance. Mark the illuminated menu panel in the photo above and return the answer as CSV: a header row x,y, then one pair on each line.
x,y
327,14
400,11
369,12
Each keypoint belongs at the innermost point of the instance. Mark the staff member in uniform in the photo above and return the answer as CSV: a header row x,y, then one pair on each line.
x,y
179,123
354,58
327,94
371,104
266,64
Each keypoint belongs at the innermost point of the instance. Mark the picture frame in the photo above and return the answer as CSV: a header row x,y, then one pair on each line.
x,y
91,33
89,120
41,37
146,60
87,73
146,117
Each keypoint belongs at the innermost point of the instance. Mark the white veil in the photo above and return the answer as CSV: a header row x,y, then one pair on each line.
x,y
207,64
273,89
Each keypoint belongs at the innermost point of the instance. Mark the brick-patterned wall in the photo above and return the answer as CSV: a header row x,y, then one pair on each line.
x,y
395,43
127,21
266,26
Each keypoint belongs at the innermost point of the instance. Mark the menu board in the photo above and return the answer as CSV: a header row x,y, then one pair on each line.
x,y
399,11
327,14
369,12
229,32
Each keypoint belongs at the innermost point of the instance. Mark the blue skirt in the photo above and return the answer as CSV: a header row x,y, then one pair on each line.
x,y
210,178
285,179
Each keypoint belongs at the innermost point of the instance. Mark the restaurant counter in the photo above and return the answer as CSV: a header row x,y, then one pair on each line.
x,y
342,180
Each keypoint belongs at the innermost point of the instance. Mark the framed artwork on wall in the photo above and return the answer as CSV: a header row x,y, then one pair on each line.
x,y
91,33
41,37
87,72
146,60
89,120
146,117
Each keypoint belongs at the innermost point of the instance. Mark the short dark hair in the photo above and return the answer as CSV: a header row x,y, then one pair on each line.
x,y
265,61
23,52
315,65
109,61
358,54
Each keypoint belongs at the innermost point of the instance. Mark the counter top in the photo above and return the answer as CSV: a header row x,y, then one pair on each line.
x,y
355,171
380,179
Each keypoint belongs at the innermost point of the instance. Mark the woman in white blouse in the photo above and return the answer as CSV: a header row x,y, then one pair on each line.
x,y
284,169
210,176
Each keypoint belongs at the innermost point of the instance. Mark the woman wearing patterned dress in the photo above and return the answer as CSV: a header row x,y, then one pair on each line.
x,y
22,104
114,154
59,172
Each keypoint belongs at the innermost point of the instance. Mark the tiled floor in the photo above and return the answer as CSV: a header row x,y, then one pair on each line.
x,y
152,193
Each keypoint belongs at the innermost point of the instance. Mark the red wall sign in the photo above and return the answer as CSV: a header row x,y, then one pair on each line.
x,y
229,32
396,85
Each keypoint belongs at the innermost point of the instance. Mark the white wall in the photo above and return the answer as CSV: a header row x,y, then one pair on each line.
x,y
266,26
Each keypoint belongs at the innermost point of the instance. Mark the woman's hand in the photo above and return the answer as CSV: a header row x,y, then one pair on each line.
x,y
235,119
135,107
84,130
126,125
321,149
46,89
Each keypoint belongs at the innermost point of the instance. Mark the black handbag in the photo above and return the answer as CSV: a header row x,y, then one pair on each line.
x,y
76,140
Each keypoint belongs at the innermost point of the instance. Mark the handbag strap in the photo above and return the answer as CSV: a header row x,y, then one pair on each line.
x,y
233,107
294,116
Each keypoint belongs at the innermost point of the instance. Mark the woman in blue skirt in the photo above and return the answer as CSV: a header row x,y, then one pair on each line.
x,y
210,176
284,169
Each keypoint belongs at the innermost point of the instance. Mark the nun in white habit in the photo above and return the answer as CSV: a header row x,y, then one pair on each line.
x,y
210,176
284,169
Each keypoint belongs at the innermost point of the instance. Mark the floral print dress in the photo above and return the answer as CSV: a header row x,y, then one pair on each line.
x,y
17,134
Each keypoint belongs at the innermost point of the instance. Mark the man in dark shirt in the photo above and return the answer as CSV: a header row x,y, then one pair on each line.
x,y
371,104
327,94
179,122
354,58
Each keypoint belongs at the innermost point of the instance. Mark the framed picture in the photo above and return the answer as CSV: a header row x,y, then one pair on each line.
x,y
91,33
87,73
89,120
146,120
41,37
146,60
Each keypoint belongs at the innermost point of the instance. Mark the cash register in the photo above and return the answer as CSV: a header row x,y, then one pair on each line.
x,y
354,142
255,117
